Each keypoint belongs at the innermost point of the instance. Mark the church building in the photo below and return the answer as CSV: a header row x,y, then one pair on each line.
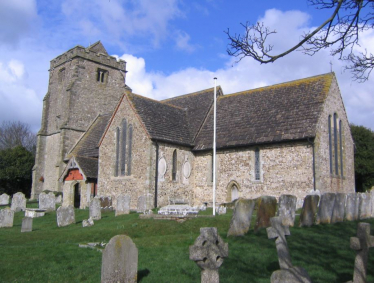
x,y
98,138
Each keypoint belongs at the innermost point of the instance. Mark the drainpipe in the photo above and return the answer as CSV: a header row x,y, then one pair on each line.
x,y
156,175
314,164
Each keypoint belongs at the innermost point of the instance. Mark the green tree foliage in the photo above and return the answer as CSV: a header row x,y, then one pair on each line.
x,y
364,157
15,170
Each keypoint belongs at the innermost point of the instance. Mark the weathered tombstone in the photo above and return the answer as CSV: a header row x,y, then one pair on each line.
x,y
267,206
87,222
309,210
26,224
339,208
120,261
6,217
326,206
287,208
106,203
141,207
351,207
65,215
95,209
361,244
47,201
287,273
241,218
4,199
59,199
365,206
123,205
208,252
221,210
18,202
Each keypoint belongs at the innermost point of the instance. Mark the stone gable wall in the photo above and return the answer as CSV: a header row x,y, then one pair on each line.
x,y
285,169
325,182
141,180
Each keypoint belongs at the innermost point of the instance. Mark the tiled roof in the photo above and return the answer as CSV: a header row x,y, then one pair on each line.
x,y
88,144
162,121
283,112
88,165
197,105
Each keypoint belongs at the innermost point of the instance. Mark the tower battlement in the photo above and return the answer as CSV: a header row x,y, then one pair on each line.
x,y
80,51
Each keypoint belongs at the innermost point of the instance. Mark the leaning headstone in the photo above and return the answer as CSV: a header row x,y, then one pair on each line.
x,y
241,218
208,252
123,205
26,224
95,209
47,201
326,206
309,210
361,244
287,273
87,222
267,206
141,207
18,202
287,208
339,208
119,261
352,207
4,199
365,206
6,217
65,215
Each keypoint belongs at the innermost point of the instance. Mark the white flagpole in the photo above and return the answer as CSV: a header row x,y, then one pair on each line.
x,y
214,146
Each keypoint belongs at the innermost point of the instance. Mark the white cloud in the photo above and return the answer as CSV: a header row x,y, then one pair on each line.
x,y
182,40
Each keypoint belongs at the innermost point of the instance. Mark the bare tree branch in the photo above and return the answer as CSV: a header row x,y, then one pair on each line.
x,y
340,32
14,134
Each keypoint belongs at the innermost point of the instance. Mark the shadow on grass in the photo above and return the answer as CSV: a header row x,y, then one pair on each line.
x,y
143,273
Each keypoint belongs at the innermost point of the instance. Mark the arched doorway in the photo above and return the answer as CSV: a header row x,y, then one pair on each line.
x,y
77,195
233,190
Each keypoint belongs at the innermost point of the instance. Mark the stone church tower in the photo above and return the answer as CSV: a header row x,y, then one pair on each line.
x,y
83,83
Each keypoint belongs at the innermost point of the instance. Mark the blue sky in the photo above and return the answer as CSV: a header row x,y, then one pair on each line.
x,y
172,47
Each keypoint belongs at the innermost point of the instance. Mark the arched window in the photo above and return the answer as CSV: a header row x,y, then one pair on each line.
x,y
257,165
117,153
336,152
330,144
129,151
174,169
341,147
123,147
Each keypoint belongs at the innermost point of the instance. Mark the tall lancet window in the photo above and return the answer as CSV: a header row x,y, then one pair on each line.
x,y
330,145
341,147
336,151
257,165
123,147
174,169
117,134
129,151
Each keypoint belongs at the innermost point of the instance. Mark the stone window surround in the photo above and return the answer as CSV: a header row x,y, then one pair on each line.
x,y
102,76
261,173
118,150
336,148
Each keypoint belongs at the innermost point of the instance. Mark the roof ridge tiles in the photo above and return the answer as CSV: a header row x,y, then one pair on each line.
x,y
190,94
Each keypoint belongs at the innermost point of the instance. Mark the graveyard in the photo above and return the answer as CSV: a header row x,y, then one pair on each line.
x,y
52,254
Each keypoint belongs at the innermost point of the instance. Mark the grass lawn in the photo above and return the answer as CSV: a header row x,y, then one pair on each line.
x,y
51,254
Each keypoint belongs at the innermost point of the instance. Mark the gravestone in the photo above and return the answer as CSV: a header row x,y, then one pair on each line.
x,y
352,207
123,205
6,217
326,206
365,206
87,222
208,253
4,199
26,224
287,273
142,204
267,206
339,208
361,244
65,215
221,210
47,201
59,199
287,208
309,211
106,204
241,218
18,202
120,261
95,209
